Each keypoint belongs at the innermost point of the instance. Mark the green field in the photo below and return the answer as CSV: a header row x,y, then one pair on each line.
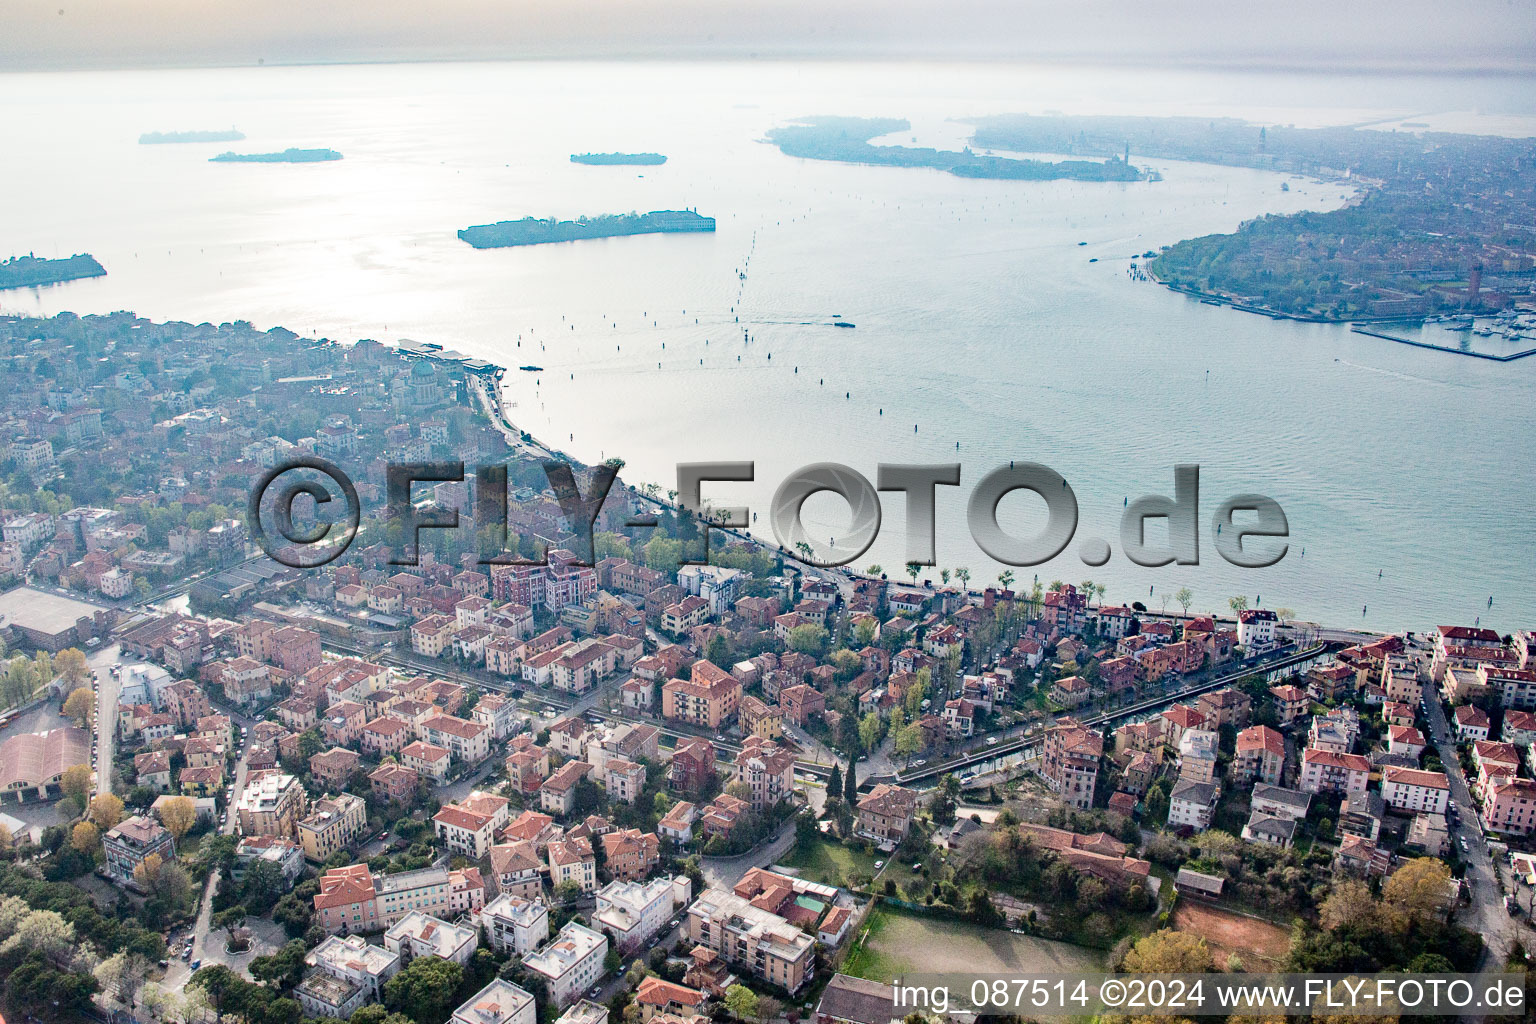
x,y
825,860
895,942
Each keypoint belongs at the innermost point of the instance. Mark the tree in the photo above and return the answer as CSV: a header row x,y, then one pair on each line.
x,y
908,741
424,989
871,730
807,639
1185,597
1417,890
123,974
1169,952
1237,603
851,785
835,783
178,814
1349,903
742,1002
106,810
76,780
85,838
79,705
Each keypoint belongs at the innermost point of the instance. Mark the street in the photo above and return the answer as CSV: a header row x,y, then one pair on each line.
x,y
1485,914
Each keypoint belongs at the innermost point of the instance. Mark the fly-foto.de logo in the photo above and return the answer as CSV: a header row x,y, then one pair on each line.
x,y
1249,530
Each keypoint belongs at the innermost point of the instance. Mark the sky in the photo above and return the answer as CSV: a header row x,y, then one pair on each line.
x,y
1429,36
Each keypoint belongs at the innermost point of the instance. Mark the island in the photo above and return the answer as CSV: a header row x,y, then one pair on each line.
x,y
167,138
846,140
532,231
287,156
30,271
1442,223
618,159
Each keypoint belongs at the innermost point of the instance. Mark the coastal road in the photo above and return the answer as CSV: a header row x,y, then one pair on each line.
x,y
1485,914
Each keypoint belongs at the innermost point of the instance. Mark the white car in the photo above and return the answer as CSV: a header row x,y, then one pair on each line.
x,y
879,864
991,741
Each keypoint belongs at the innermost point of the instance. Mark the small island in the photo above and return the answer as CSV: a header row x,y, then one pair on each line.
x,y
618,159
532,231
169,138
287,156
30,271
846,140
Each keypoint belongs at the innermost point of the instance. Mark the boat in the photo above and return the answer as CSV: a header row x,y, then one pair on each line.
x,y
532,369
841,323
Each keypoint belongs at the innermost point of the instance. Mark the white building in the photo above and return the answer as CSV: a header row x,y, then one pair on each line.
x,y
716,584
514,924
1192,803
348,972
417,934
1409,789
500,1002
634,912
571,963
1256,629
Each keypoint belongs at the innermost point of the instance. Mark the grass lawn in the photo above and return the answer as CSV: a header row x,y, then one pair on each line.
x,y
825,860
899,943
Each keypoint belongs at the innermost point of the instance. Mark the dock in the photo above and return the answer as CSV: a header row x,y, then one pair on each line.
x,y
1511,357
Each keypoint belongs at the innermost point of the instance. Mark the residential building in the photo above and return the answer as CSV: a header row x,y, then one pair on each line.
x,y
500,1002
1324,771
767,770
331,825
514,924
757,941
417,934
1260,755
428,890
347,973
271,804
1192,803
347,901
708,698
570,964
1070,762
573,861
885,814
634,913
131,843
1408,789
630,854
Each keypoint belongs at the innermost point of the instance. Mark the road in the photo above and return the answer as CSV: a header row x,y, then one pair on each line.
x,y
1485,914
107,690
179,972
725,872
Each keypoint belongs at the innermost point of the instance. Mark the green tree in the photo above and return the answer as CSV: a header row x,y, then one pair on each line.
x,y
1184,596
424,990
807,639
742,1002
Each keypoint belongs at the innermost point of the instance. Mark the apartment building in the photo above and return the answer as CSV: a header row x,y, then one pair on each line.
x,y
756,941
514,924
1070,762
271,804
570,964
331,825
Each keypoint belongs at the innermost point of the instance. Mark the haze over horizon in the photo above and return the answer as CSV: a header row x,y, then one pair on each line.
x,y
1414,36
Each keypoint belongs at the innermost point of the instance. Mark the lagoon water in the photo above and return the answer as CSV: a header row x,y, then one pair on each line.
x,y
1406,474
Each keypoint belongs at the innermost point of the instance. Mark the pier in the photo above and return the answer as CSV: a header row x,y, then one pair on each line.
x,y
1511,357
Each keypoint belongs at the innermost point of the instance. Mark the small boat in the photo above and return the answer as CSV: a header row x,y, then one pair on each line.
x,y
1094,260
532,369
841,323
